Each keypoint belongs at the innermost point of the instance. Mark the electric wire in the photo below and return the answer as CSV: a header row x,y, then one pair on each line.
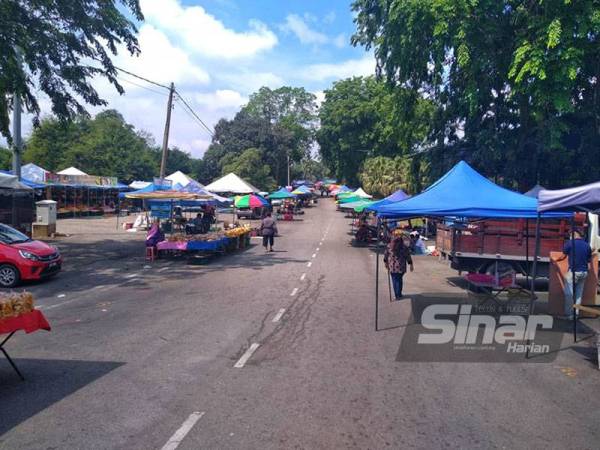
x,y
194,114
142,86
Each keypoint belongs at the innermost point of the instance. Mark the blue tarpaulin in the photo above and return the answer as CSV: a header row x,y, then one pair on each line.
x,y
463,192
397,196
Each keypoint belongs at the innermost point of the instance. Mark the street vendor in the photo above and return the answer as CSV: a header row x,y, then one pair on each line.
x,y
579,253
417,246
155,235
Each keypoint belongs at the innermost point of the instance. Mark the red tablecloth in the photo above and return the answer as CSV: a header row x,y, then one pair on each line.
x,y
28,322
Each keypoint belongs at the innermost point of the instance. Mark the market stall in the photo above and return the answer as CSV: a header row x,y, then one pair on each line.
x,y
17,312
464,193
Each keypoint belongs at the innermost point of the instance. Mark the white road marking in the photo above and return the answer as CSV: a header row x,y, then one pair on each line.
x,y
309,264
56,305
294,292
277,317
183,430
61,295
318,248
314,255
246,356
131,275
163,269
303,276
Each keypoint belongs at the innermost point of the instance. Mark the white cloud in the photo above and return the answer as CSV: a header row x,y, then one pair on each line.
x,y
204,34
248,81
340,40
298,26
329,17
160,60
320,97
221,99
350,68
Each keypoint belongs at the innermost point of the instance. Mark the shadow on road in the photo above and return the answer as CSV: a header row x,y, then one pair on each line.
x,y
47,381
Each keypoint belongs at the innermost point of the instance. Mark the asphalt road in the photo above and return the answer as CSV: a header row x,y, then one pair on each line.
x,y
142,357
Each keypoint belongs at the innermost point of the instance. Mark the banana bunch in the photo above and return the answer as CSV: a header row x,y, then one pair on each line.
x,y
238,231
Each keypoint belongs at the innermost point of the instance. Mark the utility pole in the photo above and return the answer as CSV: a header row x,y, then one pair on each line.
x,y
16,132
288,167
17,142
165,146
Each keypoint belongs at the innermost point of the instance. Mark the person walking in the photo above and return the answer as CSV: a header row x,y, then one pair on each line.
x,y
396,258
268,230
579,253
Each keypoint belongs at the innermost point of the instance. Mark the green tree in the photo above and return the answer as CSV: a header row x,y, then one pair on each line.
x,y
5,159
289,118
362,118
62,45
516,82
105,145
250,166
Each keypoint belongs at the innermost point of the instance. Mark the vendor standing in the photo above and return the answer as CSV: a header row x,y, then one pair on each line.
x,y
268,230
397,256
579,253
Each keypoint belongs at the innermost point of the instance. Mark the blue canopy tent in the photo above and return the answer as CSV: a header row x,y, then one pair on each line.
x,y
462,192
397,196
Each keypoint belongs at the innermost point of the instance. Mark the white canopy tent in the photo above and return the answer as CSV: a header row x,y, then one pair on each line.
x,y
231,183
71,171
180,178
361,193
139,184
11,182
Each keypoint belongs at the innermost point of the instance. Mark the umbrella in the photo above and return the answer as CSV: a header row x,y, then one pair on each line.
x,y
250,201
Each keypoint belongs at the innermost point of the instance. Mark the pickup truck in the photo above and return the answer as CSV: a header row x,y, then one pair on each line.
x,y
500,246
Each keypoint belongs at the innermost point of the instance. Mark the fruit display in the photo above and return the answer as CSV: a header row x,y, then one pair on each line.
x,y
13,305
210,236
238,231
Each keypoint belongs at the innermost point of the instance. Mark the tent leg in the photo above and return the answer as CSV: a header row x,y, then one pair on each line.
x,y
389,284
377,278
534,274
573,310
527,250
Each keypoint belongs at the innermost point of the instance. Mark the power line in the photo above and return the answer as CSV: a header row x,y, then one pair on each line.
x,y
142,86
142,78
194,114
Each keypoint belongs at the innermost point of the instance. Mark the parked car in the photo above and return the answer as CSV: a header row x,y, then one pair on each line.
x,y
22,258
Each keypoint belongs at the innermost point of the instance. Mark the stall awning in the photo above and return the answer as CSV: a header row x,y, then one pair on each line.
x,y
464,192
577,198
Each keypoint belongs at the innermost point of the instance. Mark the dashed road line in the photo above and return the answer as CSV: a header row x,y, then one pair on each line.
x,y
294,292
318,248
183,430
277,317
303,276
131,275
309,264
246,356
61,296
314,255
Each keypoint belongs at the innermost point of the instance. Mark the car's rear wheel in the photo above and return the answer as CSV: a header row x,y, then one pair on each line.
x,y
9,276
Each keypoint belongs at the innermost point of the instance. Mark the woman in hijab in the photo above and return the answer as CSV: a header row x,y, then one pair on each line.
x,y
397,256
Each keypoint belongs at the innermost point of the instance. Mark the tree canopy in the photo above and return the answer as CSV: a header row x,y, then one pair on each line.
x,y
274,124
363,118
105,145
56,47
516,83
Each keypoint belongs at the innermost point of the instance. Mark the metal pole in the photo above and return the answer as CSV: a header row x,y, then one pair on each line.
x,y
527,250
574,311
17,141
534,274
165,146
377,277
288,169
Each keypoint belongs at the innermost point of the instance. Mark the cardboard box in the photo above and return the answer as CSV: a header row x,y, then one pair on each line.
x,y
556,288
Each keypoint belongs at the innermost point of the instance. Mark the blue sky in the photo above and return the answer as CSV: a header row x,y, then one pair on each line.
x,y
217,52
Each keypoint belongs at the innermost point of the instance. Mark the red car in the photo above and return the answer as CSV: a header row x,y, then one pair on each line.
x,y
22,258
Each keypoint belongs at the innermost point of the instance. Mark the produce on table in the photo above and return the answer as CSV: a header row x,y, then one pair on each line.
x,y
13,305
